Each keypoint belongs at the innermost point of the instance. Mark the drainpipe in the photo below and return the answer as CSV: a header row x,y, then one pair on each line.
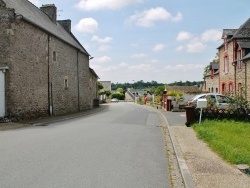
x,y
49,81
234,64
78,81
246,80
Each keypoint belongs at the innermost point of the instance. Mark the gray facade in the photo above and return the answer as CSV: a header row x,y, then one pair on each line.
x,y
47,68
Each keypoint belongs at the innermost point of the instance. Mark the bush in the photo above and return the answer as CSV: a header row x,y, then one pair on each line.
x,y
119,96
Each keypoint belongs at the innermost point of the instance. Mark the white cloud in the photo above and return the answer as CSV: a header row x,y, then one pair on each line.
x,y
196,47
101,40
148,17
141,67
124,64
179,48
103,59
197,43
184,68
105,4
101,69
88,25
211,35
159,47
142,55
184,36
104,48
154,61
177,18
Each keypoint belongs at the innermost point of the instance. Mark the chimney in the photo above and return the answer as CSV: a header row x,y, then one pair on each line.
x,y
66,24
50,10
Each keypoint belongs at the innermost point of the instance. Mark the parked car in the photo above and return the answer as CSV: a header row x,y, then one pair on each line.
x,y
114,100
214,99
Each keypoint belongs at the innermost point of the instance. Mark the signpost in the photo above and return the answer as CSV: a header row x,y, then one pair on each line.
x,y
201,103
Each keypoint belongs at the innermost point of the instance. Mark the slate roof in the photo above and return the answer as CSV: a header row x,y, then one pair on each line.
x,y
94,73
246,57
35,16
183,88
228,32
245,44
214,65
243,31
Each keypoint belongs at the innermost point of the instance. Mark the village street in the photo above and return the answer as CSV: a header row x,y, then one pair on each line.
x,y
120,146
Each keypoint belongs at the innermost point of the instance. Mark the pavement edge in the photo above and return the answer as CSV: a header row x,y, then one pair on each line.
x,y
185,173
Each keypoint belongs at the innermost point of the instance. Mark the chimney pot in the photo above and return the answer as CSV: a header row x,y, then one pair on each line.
x,y
50,10
66,24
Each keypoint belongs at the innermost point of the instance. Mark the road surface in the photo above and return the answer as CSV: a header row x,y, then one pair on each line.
x,y
121,146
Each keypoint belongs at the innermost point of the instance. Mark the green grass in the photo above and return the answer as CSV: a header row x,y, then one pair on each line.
x,y
230,139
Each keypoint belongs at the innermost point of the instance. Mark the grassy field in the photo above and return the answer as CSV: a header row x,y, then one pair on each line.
x,y
230,139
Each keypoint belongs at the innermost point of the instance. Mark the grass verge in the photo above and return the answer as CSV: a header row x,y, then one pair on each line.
x,y
230,139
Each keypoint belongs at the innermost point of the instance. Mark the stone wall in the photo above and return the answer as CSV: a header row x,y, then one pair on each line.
x,y
63,77
45,73
27,77
247,86
226,77
84,78
212,84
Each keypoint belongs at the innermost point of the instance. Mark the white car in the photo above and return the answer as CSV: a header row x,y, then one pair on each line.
x,y
114,100
218,100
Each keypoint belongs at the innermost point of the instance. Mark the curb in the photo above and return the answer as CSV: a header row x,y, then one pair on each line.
x,y
185,173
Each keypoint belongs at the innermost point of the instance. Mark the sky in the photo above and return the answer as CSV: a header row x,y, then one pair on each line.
x,y
150,40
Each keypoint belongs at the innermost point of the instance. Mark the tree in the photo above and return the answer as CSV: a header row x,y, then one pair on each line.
x,y
159,90
100,86
120,90
108,93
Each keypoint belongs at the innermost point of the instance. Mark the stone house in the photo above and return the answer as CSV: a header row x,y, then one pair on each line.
x,y
233,74
246,63
232,69
106,87
44,70
211,79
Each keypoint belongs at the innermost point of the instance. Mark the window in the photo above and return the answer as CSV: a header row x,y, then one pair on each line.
x,y
231,89
239,63
216,90
54,56
212,89
226,67
225,44
223,87
66,82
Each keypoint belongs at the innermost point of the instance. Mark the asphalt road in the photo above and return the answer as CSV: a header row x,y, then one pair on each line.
x,y
121,146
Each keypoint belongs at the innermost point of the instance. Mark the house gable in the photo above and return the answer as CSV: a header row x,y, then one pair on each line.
x,y
35,16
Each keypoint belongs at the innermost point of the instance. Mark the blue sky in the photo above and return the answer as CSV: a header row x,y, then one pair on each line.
x,y
160,40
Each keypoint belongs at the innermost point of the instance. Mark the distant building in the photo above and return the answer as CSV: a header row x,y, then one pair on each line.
x,y
106,85
211,79
44,70
184,89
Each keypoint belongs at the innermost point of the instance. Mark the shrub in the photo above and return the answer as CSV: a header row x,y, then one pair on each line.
x,y
119,96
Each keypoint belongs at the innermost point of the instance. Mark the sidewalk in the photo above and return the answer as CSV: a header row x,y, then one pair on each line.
x,y
205,168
